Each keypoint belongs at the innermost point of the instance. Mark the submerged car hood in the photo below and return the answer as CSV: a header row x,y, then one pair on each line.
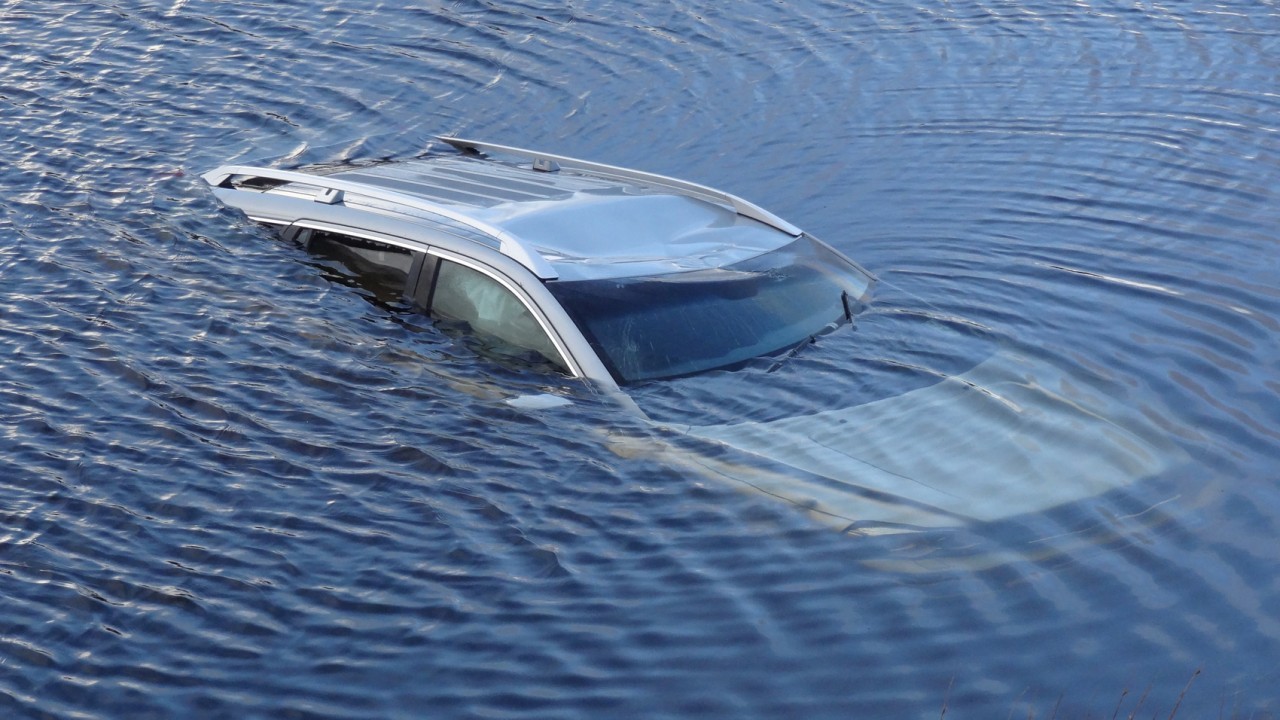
x,y
1011,436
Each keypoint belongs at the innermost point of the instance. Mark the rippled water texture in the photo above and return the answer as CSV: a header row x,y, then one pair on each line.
x,y
231,487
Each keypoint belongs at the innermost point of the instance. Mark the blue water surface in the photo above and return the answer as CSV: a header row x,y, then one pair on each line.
x,y
232,487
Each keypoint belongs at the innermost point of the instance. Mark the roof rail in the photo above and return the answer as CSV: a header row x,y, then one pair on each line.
x,y
332,191
740,206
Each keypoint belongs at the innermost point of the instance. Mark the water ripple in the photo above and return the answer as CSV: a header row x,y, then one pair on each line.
x,y
232,487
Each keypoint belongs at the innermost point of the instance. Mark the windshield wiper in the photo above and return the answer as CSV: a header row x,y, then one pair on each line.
x,y
801,345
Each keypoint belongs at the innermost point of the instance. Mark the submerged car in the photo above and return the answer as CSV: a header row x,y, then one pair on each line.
x,y
623,278
612,275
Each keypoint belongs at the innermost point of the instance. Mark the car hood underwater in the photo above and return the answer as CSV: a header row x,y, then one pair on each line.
x,y
1007,438
909,432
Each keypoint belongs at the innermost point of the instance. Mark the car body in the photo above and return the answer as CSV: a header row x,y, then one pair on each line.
x,y
631,281
611,275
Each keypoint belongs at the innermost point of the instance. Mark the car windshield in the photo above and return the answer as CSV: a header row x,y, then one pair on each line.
x,y
664,326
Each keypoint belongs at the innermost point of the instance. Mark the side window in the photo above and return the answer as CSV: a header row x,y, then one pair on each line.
x,y
379,267
497,318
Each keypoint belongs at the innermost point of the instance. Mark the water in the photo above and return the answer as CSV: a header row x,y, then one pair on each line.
x,y
230,487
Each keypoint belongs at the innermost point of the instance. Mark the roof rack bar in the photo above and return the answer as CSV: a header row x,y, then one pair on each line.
x,y
740,206
332,190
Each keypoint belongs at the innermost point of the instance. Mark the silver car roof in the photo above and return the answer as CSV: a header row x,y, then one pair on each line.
x,y
560,217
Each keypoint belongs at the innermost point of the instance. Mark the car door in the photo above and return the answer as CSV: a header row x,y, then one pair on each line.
x,y
471,300
479,304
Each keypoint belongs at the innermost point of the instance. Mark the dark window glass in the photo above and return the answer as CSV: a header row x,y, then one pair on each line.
x,y
381,268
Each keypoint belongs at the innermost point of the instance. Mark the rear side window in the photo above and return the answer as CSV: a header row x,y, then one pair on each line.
x,y
501,323
380,267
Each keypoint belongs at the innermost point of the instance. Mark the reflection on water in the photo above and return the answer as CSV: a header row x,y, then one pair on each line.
x,y
232,487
